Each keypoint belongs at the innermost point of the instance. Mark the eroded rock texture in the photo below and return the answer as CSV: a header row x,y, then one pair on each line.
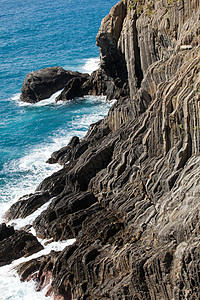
x,y
15,244
40,85
129,191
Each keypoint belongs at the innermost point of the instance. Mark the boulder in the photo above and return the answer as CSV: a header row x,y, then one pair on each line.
x,y
42,84
16,244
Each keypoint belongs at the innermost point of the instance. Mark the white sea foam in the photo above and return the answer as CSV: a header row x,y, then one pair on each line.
x,y
9,279
20,223
91,65
16,97
28,171
44,102
95,115
31,170
32,167
49,100
14,289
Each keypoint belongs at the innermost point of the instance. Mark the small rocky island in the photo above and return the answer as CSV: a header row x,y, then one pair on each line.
x,y
129,190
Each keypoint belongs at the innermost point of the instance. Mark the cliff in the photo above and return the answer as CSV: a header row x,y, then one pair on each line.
x,y
129,190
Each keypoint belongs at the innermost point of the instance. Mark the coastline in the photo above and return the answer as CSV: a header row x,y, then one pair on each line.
x,y
126,187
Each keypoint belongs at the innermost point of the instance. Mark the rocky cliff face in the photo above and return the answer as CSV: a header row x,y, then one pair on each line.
x,y
130,190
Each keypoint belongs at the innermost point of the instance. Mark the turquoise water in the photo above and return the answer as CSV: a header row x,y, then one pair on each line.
x,y
34,35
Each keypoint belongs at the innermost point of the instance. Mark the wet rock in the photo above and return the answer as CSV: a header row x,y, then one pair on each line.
x,y
42,84
29,270
6,231
64,153
27,205
40,271
19,244
76,87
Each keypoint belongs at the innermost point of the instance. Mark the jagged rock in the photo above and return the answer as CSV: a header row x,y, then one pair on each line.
x,y
16,245
40,271
29,267
65,215
104,83
42,84
76,87
64,153
47,189
131,198
26,205
6,231
76,148
111,79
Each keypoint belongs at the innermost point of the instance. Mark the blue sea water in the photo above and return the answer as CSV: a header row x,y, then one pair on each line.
x,y
34,35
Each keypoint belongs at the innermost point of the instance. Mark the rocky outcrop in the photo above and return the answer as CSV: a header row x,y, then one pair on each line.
x,y
5,231
76,87
41,272
65,153
131,196
42,84
26,205
111,79
15,244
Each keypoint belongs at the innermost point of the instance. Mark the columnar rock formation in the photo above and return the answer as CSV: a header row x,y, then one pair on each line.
x,y
129,190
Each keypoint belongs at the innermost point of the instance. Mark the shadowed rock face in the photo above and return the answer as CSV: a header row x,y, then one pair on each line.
x,y
42,84
131,196
5,231
15,244
111,79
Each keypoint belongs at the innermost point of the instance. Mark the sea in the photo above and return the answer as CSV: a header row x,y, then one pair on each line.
x,y
34,35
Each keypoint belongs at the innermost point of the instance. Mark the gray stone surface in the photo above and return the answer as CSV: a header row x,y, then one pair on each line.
x,y
42,84
16,244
